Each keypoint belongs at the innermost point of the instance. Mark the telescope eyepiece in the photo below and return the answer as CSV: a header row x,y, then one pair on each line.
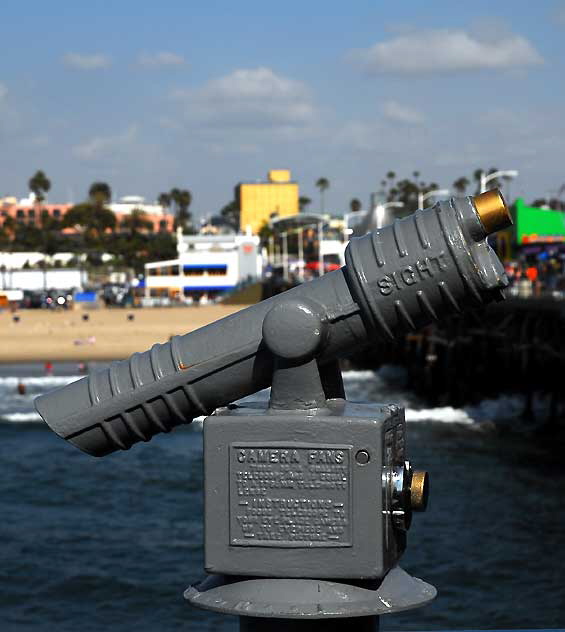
x,y
492,211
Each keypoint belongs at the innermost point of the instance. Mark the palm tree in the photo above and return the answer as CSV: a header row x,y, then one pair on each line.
x,y
303,202
100,193
323,184
355,205
39,184
461,184
165,200
182,199
174,194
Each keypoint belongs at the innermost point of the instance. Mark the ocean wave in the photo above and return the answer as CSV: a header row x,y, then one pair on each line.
x,y
503,408
44,382
25,417
444,414
359,376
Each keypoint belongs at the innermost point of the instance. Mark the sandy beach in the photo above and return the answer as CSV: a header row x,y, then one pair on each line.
x,y
58,336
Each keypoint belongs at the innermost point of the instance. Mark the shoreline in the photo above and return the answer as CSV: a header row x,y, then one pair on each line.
x,y
107,335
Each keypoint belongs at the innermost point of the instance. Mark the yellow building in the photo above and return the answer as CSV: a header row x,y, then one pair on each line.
x,y
259,201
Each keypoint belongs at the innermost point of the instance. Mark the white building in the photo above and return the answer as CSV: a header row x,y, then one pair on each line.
x,y
207,265
37,280
128,203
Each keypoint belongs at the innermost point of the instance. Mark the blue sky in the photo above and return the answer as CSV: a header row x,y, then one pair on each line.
x,y
150,95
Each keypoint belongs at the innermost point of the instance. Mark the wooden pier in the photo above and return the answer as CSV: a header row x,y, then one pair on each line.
x,y
513,347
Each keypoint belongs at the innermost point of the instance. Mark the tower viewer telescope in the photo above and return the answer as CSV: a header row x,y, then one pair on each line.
x,y
312,488
395,279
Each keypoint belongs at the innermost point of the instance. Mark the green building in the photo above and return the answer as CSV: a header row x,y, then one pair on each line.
x,y
538,225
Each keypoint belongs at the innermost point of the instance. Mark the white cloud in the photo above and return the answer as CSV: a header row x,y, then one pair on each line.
x,y
399,113
447,50
86,62
102,146
254,98
160,59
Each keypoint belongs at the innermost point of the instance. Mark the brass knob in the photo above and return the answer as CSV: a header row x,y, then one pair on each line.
x,y
419,490
492,211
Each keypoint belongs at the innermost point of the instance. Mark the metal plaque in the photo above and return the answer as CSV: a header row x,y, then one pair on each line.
x,y
290,494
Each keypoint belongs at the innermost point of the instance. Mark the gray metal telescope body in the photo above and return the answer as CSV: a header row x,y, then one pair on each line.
x,y
395,279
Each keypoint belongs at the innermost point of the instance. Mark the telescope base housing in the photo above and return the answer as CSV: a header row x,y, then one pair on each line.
x,y
299,494
310,599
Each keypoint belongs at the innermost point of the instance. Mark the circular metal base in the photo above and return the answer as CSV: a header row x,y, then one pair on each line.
x,y
309,598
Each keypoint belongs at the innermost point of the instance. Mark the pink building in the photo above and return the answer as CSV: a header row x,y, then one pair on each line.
x,y
30,214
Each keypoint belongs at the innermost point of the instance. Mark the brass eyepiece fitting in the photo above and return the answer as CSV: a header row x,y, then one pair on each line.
x,y
419,490
492,211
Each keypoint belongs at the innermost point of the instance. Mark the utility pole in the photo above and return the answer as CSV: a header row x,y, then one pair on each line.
x,y
422,197
486,178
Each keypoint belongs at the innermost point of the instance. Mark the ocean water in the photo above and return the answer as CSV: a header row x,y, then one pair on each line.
x,y
110,544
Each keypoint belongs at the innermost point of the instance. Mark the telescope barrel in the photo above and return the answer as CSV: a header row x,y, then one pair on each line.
x,y
395,279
